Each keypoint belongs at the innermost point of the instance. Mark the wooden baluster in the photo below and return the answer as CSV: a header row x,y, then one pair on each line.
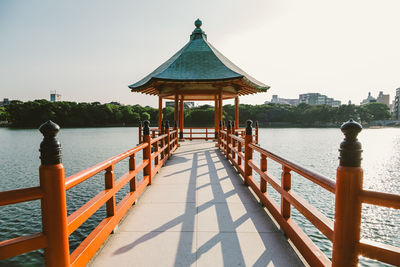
x,y
349,183
248,152
206,135
228,131
155,151
286,185
190,134
153,134
239,151
132,167
233,141
256,132
53,203
168,139
219,134
109,179
162,141
176,134
263,167
147,150
140,132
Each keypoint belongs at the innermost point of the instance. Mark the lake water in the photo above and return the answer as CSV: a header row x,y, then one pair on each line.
x,y
316,149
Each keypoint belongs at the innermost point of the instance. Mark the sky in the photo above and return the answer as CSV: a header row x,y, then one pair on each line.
x,y
92,50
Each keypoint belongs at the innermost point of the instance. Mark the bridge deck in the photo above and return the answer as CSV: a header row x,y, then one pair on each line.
x,y
198,212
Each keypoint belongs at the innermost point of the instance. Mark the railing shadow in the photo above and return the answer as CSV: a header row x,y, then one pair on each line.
x,y
227,235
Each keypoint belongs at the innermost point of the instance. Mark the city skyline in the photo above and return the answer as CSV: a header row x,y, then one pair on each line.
x,y
293,47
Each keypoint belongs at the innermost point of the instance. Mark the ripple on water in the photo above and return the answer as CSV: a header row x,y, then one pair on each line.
x,y
312,148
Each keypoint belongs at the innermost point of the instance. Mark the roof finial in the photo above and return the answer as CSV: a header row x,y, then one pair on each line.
x,y
198,23
198,32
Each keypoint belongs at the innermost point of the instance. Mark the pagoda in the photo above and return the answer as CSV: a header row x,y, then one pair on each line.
x,y
198,72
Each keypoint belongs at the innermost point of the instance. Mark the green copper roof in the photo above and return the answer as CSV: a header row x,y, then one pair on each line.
x,y
198,60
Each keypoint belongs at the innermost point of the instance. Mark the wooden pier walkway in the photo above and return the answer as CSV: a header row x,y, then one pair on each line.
x,y
197,212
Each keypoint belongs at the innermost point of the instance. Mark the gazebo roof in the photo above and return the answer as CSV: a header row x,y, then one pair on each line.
x,y
198,66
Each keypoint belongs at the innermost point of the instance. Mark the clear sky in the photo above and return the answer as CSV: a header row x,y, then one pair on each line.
x,y
92,50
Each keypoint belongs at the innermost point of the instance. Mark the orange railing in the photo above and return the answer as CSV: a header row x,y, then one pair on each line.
x,y
349,197
52,192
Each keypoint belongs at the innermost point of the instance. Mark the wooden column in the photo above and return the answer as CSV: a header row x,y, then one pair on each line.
x,y
181,118
160,115
236,112
176,108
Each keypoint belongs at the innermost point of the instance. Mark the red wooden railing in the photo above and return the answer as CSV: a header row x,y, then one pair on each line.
x,y
53,186
349,196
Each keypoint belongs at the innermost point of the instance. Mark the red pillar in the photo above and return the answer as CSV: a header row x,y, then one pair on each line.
x,y
216,120
220,105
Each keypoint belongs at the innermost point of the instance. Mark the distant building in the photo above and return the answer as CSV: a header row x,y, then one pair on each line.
x,y
5,102
384,99
369,99
318,99
285,101
185,104
396,105
54,97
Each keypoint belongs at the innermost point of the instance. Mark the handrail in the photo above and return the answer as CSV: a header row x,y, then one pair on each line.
x,y
20,195
347,203
82,176
316,178
380,199
52,193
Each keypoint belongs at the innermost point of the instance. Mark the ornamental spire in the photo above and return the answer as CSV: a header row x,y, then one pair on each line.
x,y
198,32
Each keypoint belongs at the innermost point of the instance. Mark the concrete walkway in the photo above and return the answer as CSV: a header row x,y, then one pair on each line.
x,y
198,212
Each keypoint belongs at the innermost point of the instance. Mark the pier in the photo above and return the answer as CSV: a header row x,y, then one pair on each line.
x,y
198,202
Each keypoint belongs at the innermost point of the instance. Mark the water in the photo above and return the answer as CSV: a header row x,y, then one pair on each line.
x,y
312,148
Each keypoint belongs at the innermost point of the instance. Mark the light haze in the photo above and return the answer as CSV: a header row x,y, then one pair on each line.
x,y
92,50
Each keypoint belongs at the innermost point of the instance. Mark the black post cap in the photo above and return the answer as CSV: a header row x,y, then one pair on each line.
x,y
140,124
350,149
256,124
146,127
249,129
50,148
232,124
229,125
175,124
162,124
167,124
220,124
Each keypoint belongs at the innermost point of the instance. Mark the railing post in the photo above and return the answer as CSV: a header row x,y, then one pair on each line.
x,y
168,139
206,134
233,141
132,167
109,180
239,151
256,132
190,134
176,133
162,143
140,132
248,152
228,139
286,183
53,204
147,150
263,167
219,134
349,180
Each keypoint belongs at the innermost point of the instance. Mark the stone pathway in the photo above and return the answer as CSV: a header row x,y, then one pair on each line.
x,y
198,212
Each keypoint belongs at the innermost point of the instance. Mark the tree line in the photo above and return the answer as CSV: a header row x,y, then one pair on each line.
x,y
31,114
